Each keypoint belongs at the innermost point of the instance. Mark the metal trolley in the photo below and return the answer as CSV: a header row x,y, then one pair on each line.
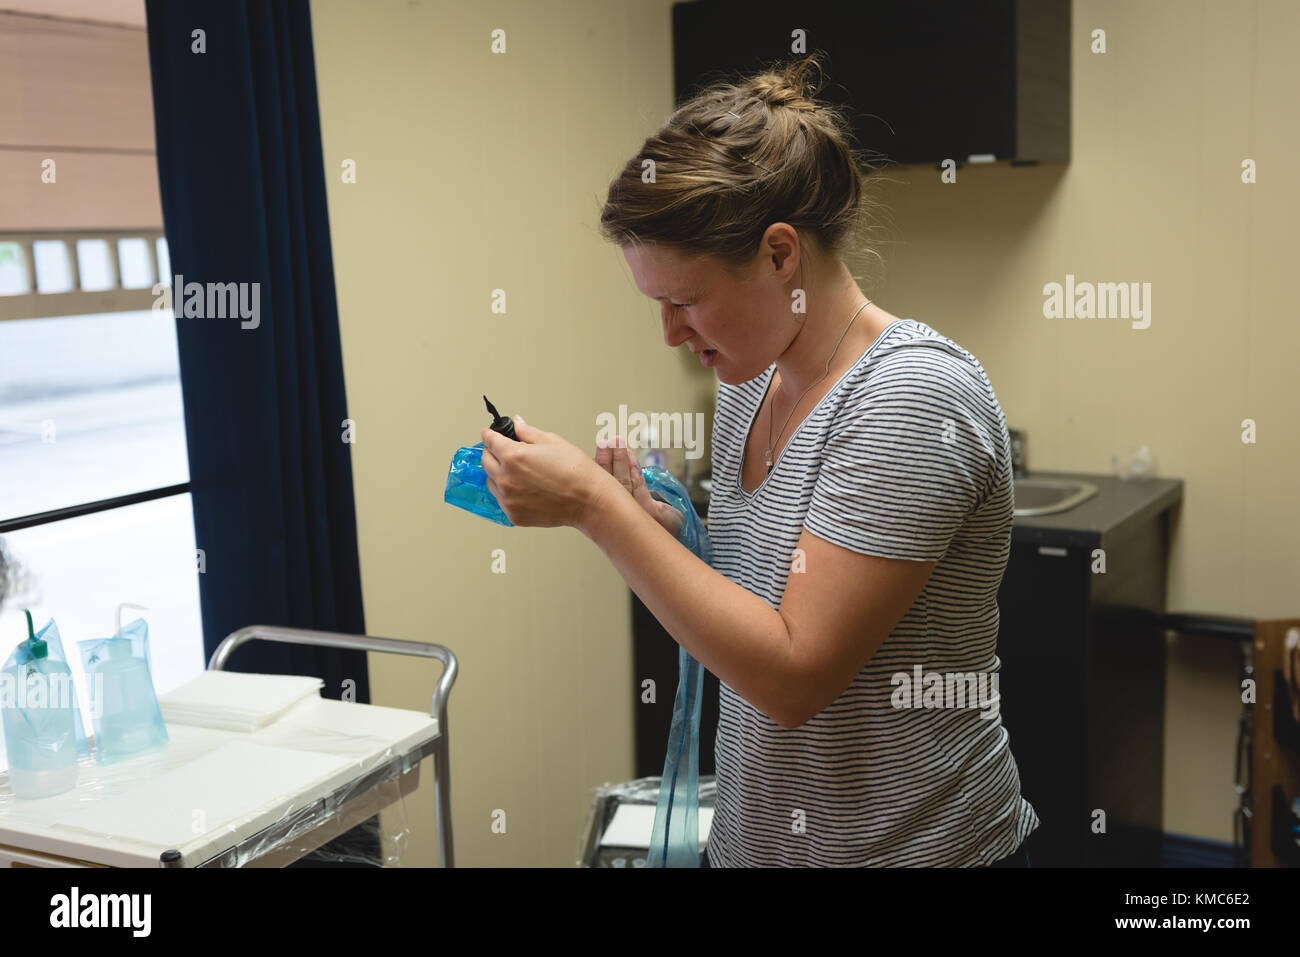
x,y
338,802
309,820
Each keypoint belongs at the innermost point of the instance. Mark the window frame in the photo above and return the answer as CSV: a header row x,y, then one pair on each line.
x,y
79,302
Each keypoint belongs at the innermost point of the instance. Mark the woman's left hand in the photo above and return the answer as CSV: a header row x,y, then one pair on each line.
x,y
542,480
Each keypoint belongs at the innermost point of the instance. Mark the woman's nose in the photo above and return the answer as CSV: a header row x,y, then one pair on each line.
x,y
675,332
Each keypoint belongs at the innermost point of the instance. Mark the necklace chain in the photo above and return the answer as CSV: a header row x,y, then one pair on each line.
x,y
772,407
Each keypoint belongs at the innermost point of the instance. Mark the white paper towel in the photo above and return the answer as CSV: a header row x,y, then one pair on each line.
x,y
235,701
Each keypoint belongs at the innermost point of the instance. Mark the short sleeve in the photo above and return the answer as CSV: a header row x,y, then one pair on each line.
x,y
908,459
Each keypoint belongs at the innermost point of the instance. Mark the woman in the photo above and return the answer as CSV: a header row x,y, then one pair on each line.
x,y
860,513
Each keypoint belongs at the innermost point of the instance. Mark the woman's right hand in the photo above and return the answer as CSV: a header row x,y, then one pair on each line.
x,y
620,461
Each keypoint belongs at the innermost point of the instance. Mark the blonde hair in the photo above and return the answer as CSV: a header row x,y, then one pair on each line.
x,y
737,157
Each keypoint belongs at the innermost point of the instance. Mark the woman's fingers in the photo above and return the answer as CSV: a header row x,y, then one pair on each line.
x,y
615,457
527,433
612,456
663,513
605,455
635,473
621,471
490,467
620,461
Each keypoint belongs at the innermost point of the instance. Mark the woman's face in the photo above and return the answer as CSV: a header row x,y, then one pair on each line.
x,y
725,320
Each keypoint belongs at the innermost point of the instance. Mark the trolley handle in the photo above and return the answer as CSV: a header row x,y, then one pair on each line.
x,y
334,639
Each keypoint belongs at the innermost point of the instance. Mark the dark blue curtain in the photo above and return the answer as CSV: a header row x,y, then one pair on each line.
x,y
243,195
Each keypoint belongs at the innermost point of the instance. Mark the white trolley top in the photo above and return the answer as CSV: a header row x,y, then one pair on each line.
x,y
209,791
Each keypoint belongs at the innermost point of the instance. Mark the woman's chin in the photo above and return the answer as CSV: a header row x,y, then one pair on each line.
x,y
728,376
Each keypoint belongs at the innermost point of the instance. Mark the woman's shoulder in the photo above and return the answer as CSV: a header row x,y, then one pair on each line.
x,y
914,339
913,367
911,348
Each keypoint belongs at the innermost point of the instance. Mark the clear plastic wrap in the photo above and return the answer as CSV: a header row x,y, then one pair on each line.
x,y
307,788
605,802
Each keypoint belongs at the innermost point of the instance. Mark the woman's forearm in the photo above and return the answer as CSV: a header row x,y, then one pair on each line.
x,y
725,627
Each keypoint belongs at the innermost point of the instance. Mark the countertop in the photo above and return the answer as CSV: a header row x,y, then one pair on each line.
x,y
1091,523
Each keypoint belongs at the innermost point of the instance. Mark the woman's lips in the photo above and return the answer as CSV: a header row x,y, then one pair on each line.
x,y
708,357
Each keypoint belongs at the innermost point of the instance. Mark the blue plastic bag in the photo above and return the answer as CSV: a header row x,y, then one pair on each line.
x,y
22,654
41,717
675,839
124,703
467,486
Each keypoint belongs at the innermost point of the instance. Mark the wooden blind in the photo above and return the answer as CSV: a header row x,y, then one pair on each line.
x,y
78,94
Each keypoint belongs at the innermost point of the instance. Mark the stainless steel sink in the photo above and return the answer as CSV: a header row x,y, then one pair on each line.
x,y
1046,496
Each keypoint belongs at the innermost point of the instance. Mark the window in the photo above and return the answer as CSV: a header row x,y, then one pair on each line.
x,y
94,493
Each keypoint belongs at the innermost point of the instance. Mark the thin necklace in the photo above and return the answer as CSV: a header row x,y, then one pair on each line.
x,y
770,445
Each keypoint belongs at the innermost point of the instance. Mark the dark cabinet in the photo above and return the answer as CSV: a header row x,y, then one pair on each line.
x,y
1043,606
1082,649
921,82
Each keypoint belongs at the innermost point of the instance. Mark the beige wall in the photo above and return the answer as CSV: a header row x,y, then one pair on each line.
x,y
478,172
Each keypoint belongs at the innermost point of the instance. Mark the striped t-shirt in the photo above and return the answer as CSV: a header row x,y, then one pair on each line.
x,y
907,456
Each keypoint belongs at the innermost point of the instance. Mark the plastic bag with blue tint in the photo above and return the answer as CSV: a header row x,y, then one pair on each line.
x,y
124,705
467,486
467,482
24,653
675,839
40,716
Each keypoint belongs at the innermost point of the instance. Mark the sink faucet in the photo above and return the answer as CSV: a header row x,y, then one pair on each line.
x,y
1019,462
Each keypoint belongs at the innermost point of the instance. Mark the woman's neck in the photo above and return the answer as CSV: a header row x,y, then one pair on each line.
x,y
804,361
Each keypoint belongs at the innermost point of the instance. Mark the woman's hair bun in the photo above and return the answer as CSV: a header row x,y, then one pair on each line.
x,y
741,154
794,86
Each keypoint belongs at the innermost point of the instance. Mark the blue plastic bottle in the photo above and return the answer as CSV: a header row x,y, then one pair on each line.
x,y
126,725
40,726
